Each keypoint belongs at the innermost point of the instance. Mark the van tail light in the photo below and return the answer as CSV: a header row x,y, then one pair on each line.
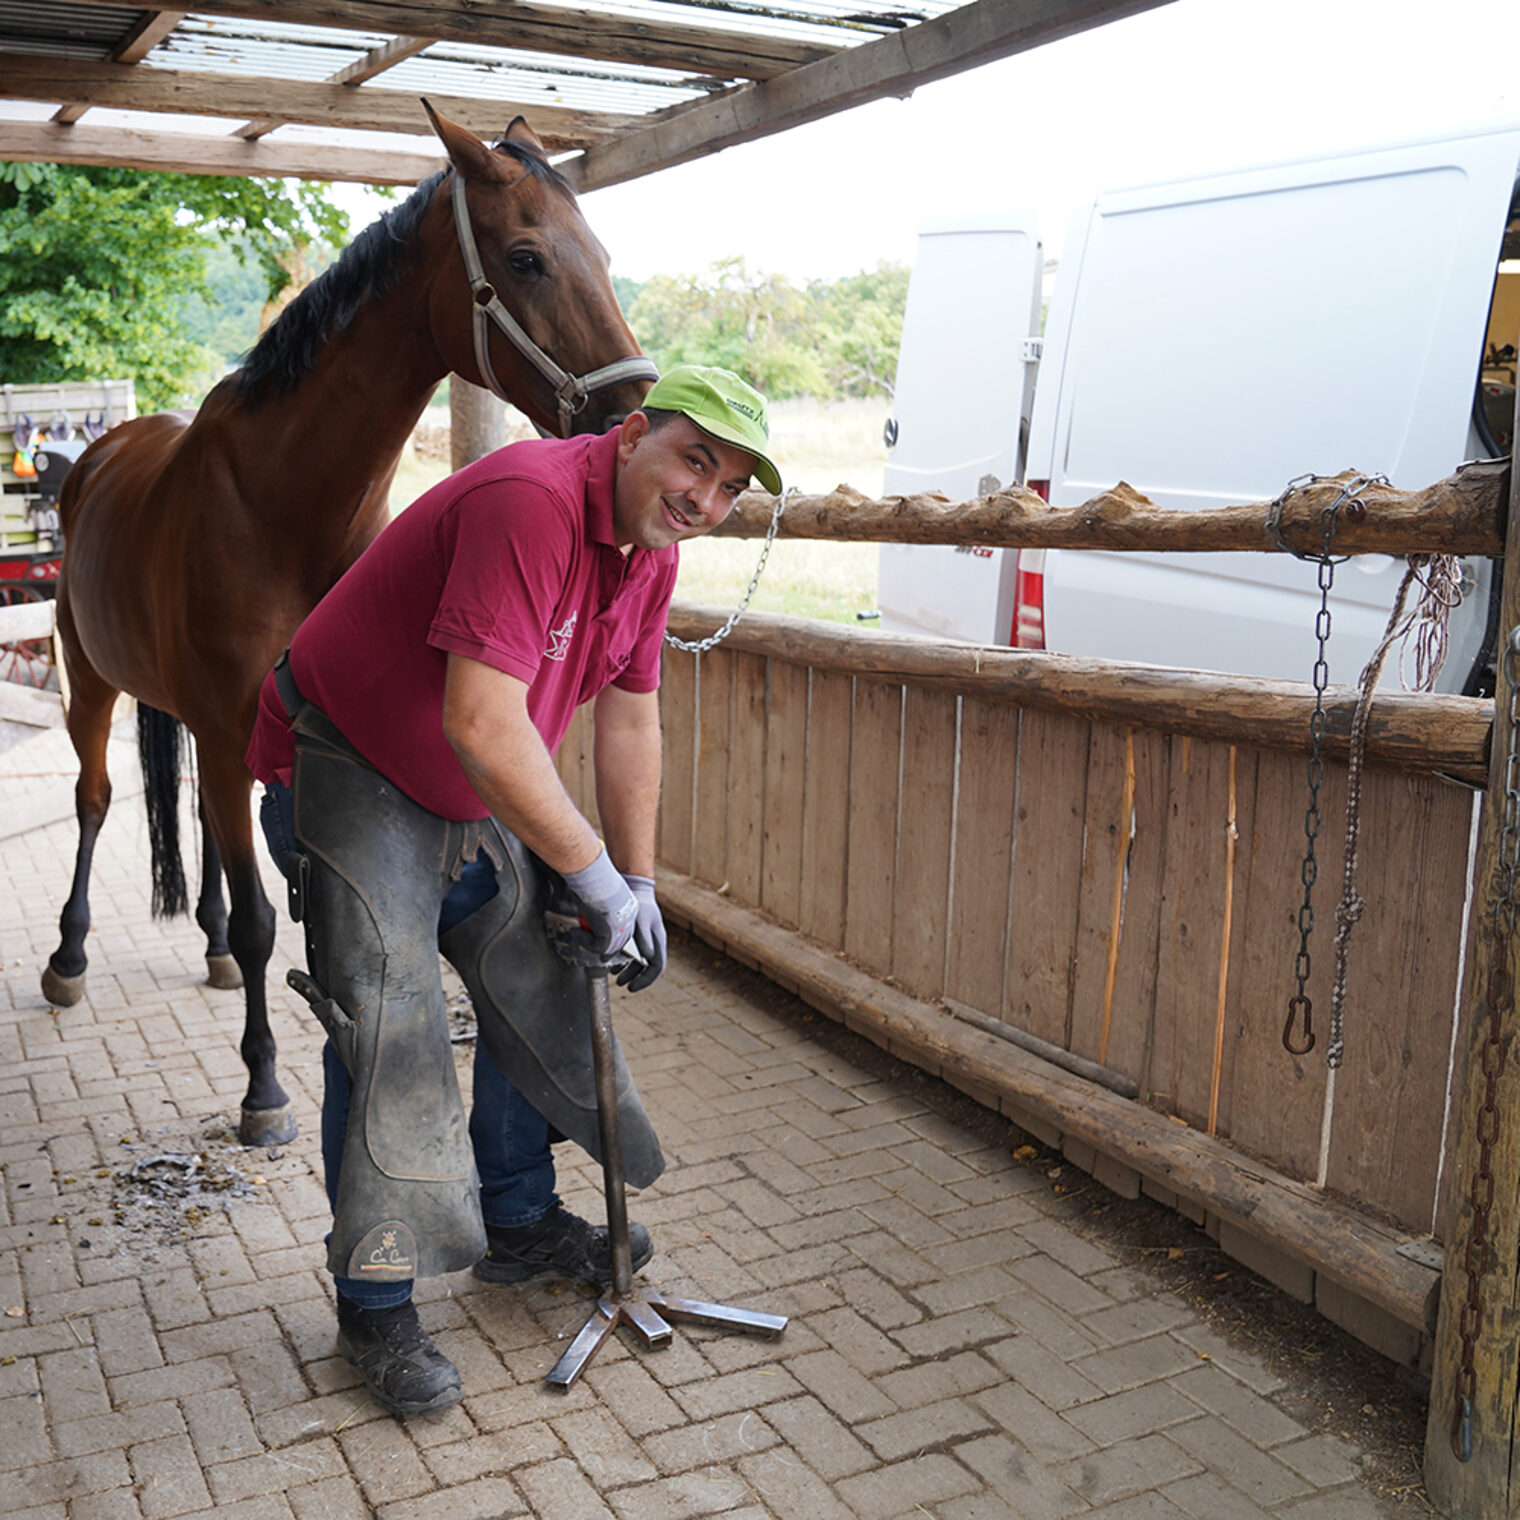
x,y
1029,589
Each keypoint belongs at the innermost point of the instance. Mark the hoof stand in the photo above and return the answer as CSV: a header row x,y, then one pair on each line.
x,y
222,971
61,991
267,1126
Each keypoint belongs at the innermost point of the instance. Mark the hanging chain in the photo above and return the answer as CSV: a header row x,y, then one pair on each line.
x,y
1300,1005
1501,999
701,646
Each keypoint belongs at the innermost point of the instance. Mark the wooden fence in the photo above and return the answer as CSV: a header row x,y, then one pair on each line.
x,y
1128,894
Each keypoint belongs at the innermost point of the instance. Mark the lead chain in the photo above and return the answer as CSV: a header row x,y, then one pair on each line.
x,y
1501,998
701,646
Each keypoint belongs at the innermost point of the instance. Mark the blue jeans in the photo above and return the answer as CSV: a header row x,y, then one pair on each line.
x,y
509,1135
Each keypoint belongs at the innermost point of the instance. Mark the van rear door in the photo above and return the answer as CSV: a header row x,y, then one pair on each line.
x,y
1210,341
965,383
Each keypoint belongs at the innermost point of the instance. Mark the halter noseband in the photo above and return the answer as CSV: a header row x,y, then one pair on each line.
x,y
570,392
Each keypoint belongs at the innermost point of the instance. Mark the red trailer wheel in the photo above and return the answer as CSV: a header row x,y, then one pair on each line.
x,y
27,662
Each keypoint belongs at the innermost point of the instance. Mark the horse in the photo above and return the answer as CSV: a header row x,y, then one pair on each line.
x,y
196,543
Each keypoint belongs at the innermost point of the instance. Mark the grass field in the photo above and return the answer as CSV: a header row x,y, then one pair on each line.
x,y
818,445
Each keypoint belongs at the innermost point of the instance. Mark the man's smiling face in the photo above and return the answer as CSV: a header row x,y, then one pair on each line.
x,y
674,482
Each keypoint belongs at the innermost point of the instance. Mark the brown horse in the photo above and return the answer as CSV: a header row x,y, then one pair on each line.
x,y
195,546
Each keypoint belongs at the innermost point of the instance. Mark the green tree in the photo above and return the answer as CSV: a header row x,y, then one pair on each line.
x,y
827,339
100,268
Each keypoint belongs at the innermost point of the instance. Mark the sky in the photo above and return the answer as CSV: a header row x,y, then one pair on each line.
x,y
1194,87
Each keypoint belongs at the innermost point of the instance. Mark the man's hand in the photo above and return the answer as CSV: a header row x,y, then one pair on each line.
x,y
609,908
648,938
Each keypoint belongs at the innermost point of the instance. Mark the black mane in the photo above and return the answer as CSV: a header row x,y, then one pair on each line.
x,y
366,268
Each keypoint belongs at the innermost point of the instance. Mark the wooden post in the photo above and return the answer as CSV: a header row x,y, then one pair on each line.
x,y
1472,1472
477,423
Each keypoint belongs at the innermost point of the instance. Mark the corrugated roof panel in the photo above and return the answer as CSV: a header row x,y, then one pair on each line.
x,y
89,32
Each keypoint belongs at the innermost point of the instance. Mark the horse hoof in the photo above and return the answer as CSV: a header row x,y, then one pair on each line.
x,y
61,991
267,1126
222,971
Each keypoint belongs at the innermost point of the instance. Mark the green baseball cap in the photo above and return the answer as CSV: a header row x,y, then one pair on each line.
x,y
720,403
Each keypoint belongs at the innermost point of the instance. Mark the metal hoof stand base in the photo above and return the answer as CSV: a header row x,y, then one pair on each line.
x,y
648,1311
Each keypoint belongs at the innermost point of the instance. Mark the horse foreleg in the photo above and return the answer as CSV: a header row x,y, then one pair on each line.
x,y
211,912
89,724
225,789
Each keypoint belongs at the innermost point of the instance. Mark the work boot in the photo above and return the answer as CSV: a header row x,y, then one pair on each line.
x,y
559,1245
401,1366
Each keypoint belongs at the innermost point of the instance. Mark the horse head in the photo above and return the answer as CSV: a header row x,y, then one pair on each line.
x,y
533,316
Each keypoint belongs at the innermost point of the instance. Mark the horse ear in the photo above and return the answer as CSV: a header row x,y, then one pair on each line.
x,y
524,136
466,152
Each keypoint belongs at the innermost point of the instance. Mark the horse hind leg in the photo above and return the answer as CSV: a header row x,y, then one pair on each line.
x,y
211,913
91,703
225,787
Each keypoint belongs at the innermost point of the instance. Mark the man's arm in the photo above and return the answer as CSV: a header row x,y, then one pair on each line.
x,y
485,718
627,755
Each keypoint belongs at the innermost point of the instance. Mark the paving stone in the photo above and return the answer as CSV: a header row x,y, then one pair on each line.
x,y
1012,1468
560,1488
122,1428
1157,1356
1245,1411
1209,1497
383,1459
486,1496
1256,1474
839,1387
751,1389
603,1449
717,1441
1323,1460
220,1427
1128,1467
826,1445
791,1491
897,1489
716,1490
1024,1358
333,1499
169,1478
900,1435
1123,1416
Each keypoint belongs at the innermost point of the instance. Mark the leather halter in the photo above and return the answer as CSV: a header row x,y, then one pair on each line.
x,y
570,391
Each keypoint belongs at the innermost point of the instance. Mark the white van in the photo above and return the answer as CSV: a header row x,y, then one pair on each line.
x,y
1208,342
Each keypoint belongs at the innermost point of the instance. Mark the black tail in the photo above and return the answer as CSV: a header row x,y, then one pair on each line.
x,y
160,747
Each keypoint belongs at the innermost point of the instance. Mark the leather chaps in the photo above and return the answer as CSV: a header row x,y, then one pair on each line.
x,y
370,875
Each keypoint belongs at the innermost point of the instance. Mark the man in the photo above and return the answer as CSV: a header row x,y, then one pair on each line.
x,y
414,717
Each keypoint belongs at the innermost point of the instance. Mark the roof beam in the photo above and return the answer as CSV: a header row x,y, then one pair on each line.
x,y
146,35
895,65
374,62
570,30
183,153
324,105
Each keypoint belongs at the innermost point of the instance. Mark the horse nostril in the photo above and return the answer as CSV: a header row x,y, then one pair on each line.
x,y
616,419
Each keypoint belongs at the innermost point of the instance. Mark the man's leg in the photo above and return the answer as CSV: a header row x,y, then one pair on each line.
x,y
531,1233
378,1329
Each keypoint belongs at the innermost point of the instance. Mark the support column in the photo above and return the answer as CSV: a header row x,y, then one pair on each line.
x,y
1472,1465
477,423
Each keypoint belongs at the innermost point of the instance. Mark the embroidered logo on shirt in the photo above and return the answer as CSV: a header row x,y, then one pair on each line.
x,y
559,638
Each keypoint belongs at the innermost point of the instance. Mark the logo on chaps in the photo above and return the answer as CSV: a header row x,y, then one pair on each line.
x,y
559,638
387,1253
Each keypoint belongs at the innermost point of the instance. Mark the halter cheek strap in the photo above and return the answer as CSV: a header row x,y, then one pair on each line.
x,y
571,392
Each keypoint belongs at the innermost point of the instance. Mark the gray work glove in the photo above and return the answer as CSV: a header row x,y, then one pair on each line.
x,y
648,938
606,904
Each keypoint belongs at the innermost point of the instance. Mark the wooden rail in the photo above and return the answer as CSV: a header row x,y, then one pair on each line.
x,y
1464,514
1444,734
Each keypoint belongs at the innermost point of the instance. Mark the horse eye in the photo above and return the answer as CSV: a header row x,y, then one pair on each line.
x,y
525,264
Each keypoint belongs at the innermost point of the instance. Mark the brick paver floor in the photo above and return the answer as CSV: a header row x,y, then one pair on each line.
x,y
956,1348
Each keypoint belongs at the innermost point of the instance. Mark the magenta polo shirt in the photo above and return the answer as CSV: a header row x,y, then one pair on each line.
x,y
510,562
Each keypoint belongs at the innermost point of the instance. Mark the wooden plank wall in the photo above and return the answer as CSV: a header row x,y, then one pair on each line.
x,y
1130,895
